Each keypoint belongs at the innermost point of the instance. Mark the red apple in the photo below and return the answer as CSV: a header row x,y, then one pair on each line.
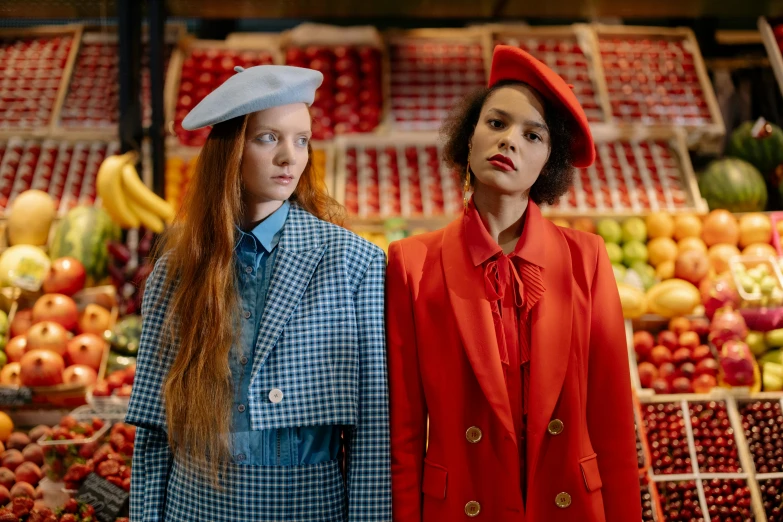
x,y
700,353
101,389
66,276
16,348
661,386
682,385
9,375
80,374
667,371
681,355
87,349
643,343
129,374
7,477
58,308
692,266
47,335
42,368
689,340
687,370
23,320
647,373
660,354
704,383
707,366
668,339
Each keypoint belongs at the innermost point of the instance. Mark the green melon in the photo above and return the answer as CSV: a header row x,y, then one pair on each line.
x,y
763,153
84,233
733,184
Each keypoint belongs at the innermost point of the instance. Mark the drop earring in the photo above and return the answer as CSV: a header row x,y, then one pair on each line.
x,y
466,186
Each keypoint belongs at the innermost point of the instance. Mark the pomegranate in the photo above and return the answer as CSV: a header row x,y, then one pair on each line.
x,y
7,477
23,489
47,335
701,353
736,361
87,349
707,366
9,375
23,320
661,386
16,348
66,276
29,472
42,368
80,374
115,381
718,292
94,320
58,308
727,324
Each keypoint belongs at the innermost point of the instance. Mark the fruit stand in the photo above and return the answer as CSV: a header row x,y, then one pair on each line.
x,y
691,233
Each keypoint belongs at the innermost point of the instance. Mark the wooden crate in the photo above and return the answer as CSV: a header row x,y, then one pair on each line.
x,y
74,32
705,132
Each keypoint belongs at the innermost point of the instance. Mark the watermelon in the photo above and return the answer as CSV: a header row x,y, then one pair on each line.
x,y
733,184
765,153
85,233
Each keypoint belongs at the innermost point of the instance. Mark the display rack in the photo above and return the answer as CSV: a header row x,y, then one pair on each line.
x,y
773,49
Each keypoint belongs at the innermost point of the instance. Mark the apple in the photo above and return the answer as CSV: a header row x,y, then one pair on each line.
x,y
16,348
58,308
700,353
33,453
47,335
66,276
668,339
40,431
42,368
667,371
17,440
661,386
9,375
86,349
23,490
687,369
80,374
682,385
660,354
707,366
101,389
643,343
681,355
22,321
11,459
704,383
689,340
647,373
679,325
692,266
29,472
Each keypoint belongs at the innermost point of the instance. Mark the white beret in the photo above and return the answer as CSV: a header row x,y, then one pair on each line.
x,y
254,89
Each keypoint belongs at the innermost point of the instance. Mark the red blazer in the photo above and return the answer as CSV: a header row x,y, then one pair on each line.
x,y
444,363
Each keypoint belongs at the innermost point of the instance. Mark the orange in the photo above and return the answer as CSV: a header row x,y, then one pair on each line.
x,y
687,225
661,249
665,270
754,228
720,254
659,224
6,426
692,243
561,223
720,226
760,250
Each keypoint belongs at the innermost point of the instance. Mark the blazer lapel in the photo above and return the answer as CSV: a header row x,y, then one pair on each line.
x,y
473,316
551,340
299,251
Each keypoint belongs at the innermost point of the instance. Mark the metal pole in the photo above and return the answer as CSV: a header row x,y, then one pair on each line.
x,y
157,50
129,28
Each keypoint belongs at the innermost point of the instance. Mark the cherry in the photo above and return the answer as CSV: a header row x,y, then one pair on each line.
x,y
680,501
716,451
763,425
648,508
728,500
666,436
771,497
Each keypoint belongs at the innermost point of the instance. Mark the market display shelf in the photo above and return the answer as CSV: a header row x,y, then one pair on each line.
x,y
430,70
65,169
35,64
567,50
772,35
197,67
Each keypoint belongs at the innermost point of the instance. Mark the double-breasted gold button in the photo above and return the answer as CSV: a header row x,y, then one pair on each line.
x,y
555,427
473,434
563,500
472,508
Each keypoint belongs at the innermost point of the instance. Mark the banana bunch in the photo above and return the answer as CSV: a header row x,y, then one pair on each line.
x,y
127,199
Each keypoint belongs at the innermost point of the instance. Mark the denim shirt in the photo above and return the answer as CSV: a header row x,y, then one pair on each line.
x,y
255,256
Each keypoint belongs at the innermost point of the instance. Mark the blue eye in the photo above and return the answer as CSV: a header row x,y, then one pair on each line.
x,y
303,141
267,137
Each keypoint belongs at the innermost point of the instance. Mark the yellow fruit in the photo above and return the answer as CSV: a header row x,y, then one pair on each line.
x,y
673,298
585,225
719,256
6,426
720,226
754,228
760,250
692,243
687,225
665,270
660,250
633,301
561,223
30,218
659,224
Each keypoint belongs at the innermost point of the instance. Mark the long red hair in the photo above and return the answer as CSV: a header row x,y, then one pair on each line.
x,y
201,275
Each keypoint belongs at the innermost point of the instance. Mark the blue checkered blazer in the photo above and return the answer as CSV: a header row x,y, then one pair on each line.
x,y
322,342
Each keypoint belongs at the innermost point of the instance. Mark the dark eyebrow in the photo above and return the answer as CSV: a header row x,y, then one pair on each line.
x,y
529,123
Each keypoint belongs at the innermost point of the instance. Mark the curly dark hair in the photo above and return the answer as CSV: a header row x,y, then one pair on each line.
x,y
558,173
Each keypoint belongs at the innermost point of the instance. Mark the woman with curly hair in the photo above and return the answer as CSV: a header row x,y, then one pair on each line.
x,y
508,374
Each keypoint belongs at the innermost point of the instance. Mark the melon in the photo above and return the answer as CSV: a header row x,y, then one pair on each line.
x,y
84,233
733,184
30,218
764,152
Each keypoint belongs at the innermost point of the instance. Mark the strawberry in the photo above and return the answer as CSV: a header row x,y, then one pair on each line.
x,y
71,506
22,506
130,432
68,422
102,454
7,516
77,473
109,468
117,440
41,515
69,517
126,449
126,472
88,510
88,450
126,484
117,481
97,423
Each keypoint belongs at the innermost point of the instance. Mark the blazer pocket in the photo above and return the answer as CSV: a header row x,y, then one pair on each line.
x,y
434,481
590,473
313,323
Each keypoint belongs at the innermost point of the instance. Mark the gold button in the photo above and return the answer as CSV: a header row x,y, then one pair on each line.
x,y
473,434
555,427
472,508
563,500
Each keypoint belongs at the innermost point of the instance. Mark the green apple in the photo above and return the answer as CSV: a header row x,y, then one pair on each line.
x,y
646,272
756,343
774,356
619,272
634,229
610,230
634,252
615,252
771,381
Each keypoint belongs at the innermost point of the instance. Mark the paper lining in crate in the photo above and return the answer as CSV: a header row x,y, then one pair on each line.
x,y
91,103
65,169
33,85
655,76
197,67
430,70
568,50
634,174
395,176
690,429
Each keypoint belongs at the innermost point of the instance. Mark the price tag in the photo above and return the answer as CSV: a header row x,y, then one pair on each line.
x,y
29,274
15,396
108,500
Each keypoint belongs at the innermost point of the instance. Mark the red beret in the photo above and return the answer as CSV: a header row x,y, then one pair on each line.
x,y
514,64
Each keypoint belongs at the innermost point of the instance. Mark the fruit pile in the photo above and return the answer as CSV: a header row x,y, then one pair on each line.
x,y
653,81
32,68
771,496
763,425
677,361
428,77
21,464
565,56
399,180
118,383
733,184
202,72
351,96
66,171
23,509
665,426
728,500
716,450
758,281
641,459
628,177
648,504
680,501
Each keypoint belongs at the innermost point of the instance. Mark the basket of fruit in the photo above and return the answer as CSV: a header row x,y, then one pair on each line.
x,y
758,280
71,442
